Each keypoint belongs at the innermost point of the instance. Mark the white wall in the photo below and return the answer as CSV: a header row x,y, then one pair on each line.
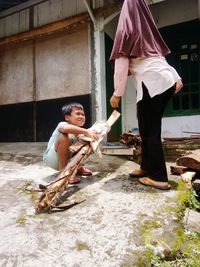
x,y
171,12
111,27
175,126
61,68
62,65
16,72
129,115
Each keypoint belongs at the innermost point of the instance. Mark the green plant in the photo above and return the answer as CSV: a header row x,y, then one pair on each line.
x,y
21,220
82,246
192,201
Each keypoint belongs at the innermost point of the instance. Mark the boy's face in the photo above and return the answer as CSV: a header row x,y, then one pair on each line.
x,y
77,117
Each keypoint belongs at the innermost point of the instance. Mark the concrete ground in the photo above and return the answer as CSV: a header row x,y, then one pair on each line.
x,y
114,227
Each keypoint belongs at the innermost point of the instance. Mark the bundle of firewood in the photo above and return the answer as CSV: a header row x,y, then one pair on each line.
x,y
82,149
188,167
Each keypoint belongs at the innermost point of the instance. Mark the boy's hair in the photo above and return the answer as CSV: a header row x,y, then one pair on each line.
x,y
67,108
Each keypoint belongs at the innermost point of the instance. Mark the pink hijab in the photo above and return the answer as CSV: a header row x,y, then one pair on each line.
x,y
137,34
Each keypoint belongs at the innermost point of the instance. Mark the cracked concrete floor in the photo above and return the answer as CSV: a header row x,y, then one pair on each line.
x,y
106,230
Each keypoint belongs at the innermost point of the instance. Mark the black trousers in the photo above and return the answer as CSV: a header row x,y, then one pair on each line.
x,y
150,112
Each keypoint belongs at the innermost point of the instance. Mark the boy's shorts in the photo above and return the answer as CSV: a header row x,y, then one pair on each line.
x,y
51,158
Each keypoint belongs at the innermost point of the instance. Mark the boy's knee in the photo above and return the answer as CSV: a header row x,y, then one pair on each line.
x,y
64,140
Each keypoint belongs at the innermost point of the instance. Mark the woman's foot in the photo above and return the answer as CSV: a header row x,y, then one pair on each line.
x,y
152,183
138,173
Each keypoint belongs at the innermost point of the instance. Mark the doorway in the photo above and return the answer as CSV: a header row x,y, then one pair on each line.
x,y
116,129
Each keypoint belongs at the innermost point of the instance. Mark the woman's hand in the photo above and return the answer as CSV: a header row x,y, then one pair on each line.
x,y
114,101
179,86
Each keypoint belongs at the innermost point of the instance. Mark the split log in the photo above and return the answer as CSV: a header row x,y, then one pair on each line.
x,y
191,160
84,148
177,170
187,178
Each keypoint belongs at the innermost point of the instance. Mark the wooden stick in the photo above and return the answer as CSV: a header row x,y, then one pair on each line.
x,y
113,118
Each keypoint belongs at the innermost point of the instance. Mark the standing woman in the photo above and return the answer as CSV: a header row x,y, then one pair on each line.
x,y
139,50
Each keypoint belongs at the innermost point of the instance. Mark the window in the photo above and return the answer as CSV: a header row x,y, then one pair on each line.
x,y
186,59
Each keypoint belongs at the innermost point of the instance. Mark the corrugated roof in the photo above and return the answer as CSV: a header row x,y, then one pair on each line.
x,y
6,4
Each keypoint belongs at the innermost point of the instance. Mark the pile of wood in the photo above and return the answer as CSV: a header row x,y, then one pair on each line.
x,y
188,167
131,140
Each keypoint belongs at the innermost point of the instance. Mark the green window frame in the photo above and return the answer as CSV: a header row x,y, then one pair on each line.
x,y
185,58
184,43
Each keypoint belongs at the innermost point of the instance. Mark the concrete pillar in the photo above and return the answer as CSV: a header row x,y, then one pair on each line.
x,y
99,63
98,79
199,8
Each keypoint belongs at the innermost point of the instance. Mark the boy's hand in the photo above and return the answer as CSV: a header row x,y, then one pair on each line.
x,y
92,134
114,101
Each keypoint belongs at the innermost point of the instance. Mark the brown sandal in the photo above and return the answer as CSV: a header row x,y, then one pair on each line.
x,y
158,185
138,173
